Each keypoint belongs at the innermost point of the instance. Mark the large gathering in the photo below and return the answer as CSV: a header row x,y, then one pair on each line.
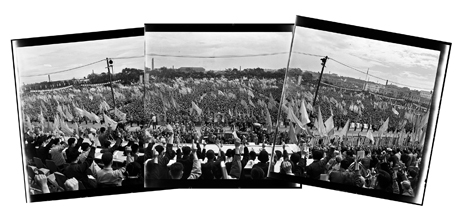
x,y
230,126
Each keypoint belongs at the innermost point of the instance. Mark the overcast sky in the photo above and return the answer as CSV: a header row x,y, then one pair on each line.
x,y
218,44
37,60
407,65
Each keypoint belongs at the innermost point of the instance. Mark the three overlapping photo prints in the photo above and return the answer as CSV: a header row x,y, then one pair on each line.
x,y
228,106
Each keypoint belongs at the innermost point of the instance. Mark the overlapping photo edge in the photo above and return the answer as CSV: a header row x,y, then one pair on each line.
x,y
268,183
59,39
444,49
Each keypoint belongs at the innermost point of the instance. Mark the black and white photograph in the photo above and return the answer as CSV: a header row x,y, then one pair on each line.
x,y
212,93
361,106
81,112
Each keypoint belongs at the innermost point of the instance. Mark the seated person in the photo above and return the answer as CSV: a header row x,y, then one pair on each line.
x,y
133,178
107,176
80,170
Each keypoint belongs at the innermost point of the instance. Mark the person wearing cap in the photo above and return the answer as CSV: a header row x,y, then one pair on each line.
x,y
107,176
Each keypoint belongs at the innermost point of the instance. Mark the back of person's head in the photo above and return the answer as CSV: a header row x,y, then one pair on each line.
x,y
286,166
133,169
102,129
318,154
107,158
152,171
170,152
134,148
344,164
246,151
350,153
159,148
55,141
72,155
366,152
71,141
229,153
412,173
295,158
263,156
257,173
210,155
252,155
186,150
107,144
278,154
176,170
85,146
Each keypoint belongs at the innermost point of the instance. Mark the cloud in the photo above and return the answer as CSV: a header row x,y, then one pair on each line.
x,y
413,75
47,65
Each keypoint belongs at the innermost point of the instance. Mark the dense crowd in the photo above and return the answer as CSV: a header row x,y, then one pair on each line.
x,y
395,170
166,119
58,163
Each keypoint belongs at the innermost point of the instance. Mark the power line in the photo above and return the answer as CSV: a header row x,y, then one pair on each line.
x,y
376,76
57,72
308,54
128,57
217,57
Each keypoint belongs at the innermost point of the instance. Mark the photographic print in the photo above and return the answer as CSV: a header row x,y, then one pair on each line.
x,y
361,107
80,112
212,93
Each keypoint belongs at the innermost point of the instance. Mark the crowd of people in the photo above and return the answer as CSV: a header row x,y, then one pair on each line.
x,y
393,170
57,162
166,119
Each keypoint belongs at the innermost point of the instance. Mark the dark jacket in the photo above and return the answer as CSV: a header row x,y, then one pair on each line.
x,y
315,169
79,171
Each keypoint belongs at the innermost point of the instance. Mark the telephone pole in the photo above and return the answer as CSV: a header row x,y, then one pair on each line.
x,y
110,63
323,63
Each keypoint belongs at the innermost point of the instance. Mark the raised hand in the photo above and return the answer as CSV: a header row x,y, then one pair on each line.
x,y
71,184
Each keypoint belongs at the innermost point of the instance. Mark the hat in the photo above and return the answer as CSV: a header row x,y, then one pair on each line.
x,y
92,130
107,158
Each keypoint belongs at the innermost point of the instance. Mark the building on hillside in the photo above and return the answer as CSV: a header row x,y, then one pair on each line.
x,y
412,95
392,91
191,69
425,94
372,87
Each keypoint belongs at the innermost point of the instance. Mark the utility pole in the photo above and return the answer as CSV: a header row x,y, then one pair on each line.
x,y
109,63
152,64
367,79
323,63
49,78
